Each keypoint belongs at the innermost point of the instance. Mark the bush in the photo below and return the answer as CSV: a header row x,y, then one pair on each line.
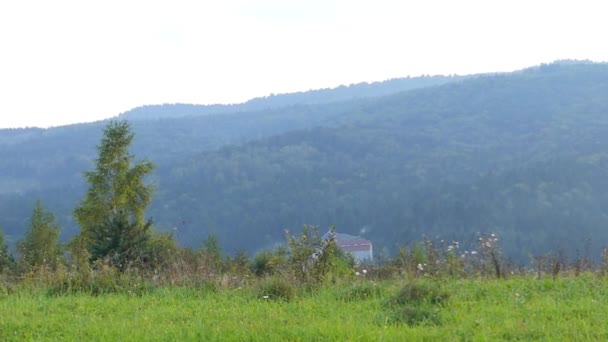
x,y
266,263
276,288
310,256
160,252
416,304
419,293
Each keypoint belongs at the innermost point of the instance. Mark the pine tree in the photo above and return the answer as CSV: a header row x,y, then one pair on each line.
x,y
6,259
39,248
111,216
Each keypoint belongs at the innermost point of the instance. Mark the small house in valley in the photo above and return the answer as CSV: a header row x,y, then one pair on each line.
x,y
361,249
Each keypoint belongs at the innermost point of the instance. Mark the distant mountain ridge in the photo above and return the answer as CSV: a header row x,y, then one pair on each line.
x,y
311,97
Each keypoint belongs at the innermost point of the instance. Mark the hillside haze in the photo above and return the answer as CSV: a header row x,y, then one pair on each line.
x,y
521,154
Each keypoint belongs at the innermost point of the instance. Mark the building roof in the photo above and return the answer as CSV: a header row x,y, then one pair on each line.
x,y
351,243
359,245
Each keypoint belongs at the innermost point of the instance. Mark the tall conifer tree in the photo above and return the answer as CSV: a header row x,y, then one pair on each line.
x,y
111,216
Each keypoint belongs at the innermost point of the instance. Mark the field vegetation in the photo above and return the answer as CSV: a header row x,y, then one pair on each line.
x,y
197,297
120,278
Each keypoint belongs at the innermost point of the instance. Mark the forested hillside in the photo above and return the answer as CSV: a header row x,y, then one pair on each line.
x,y
523,155
312,97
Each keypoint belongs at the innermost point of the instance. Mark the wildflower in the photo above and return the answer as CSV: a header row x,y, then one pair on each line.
x,y
364,271
419,267
357,273
265,297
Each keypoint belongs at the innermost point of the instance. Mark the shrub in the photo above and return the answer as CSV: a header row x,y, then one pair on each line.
x,y
420,292
276,288
266,263
310,255
416,303
160,252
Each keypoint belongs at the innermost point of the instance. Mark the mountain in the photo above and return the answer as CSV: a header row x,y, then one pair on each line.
x,y
48,163
311,97
521,154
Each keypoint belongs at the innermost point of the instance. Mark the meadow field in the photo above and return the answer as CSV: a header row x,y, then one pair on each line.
x,y
474,309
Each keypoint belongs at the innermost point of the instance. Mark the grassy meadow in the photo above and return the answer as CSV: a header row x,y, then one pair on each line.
x,y
517,308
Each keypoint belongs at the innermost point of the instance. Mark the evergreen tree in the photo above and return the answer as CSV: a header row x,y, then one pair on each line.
x,y
212,253
111,216
39,247
6,259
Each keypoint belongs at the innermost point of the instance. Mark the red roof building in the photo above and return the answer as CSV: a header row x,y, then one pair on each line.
x,y
360,248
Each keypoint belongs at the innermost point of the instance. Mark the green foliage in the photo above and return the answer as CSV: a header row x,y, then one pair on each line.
x,y
239,264
522,154
39,247
517,309
119,242
276,288
412,316
6,259
105,280
412,262
361,291
79,254
161,252
341,265
420,293
267,263
211,254
111,216
310,256
416,304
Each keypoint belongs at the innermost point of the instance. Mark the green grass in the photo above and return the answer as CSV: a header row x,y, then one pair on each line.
x,y
478,310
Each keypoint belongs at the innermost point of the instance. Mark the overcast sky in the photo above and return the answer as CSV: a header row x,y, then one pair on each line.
x,y
75,61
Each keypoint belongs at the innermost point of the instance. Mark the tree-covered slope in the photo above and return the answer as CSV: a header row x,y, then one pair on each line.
x,y
48,163
311,97
520,154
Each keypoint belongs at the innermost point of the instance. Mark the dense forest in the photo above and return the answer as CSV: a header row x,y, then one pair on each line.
x,y
521,154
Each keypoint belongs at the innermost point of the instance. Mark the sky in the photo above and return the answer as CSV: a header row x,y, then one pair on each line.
x,y
65,61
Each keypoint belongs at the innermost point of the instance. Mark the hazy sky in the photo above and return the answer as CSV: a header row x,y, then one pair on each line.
x,y
75,61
